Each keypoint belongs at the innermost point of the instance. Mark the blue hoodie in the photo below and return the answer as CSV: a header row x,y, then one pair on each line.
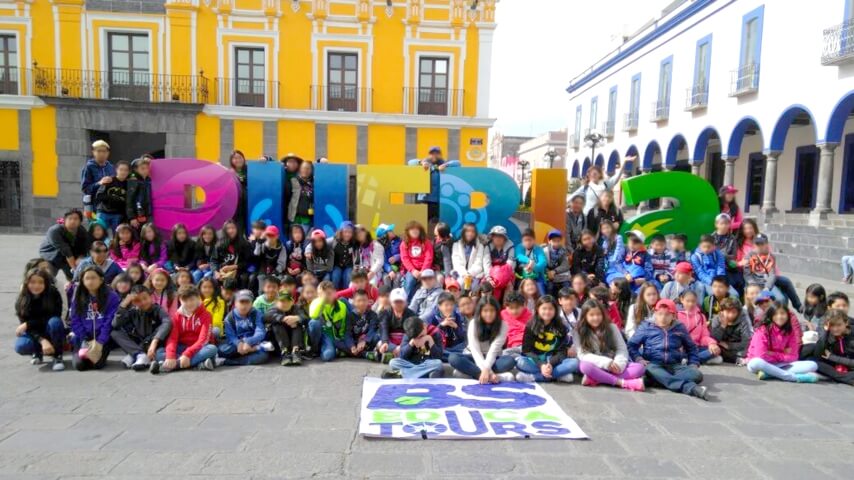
x,y
249,329
392,249
523,256
92,174
708,265
663,346
453,336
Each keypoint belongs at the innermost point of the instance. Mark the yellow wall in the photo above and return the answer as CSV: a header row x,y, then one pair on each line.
x,y
469,154
432,137
45,160
342,147
296,137
386,144
9,132
249,138
207,137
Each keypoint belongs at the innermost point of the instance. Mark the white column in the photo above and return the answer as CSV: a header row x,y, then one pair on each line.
x,y
483,69
695,169
769,198
729,170
825,179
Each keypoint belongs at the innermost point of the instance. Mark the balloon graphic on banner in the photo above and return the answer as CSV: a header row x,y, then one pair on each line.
x,y
172,180
265,190
694,211
331,196
479,195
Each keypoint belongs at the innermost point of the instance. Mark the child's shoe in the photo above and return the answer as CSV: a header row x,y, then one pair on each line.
x,y
372,356
458,374
127,361
761,375
387,357
37,359
806,377
523,377
296,359
154,369
287,360
716,360
589,382
266,346
208,365
57,365
568,378
700,392
506,377
634,385
392,374
219,361
141,362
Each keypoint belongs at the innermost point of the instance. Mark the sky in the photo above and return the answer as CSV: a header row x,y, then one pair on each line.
x,y
540,45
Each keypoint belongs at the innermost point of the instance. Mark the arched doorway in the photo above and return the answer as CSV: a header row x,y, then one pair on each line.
x,y
834,134
746,143
795,166
707,150
613,161
677,157
575,173
585,167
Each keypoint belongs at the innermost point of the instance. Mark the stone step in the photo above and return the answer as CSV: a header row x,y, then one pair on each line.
x,y
791,228
811,250
843,221
801,283
809,266
823,240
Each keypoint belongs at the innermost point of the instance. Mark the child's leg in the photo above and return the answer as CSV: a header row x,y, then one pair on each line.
x,y
465,364
327,348
756,365
847,267
541,286
297,336
254,358
829,371
76,362
567,366
779,296
56,335
282,337
597,374
227,351
785,285
504,363
633,370
428,368
337,273
448,351
803,366
401,365
673,380
27,345
704,354
206,352
687,377
527,365
315,334
410,284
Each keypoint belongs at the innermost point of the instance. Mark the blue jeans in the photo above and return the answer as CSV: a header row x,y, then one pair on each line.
x,y
431,368
320,343
112,220
704,354
341,277
448,351
676,378
199,274
847,267
784,292
782,371
410,285
206,352
29,345
232,357
527,365
465,363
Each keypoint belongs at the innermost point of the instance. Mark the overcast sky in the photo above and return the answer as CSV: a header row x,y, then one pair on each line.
x,y
540,45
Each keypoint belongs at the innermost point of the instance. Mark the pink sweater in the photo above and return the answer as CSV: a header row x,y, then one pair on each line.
x,y
695,322
127,255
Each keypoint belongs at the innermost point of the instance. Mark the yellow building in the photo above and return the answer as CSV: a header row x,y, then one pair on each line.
x,y
356,81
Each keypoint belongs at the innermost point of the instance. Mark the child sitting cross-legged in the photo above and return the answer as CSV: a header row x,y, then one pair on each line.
x,y
695,322
244,333
732,329
544,347
140,327
482,360
188,344
420,352
285,323
602,353
775,347
835,349
450,323
661,345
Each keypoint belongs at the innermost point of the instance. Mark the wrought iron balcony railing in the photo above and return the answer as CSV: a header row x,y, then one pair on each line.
x,y
609,128
433,101
660,110
120,85
630,121
341,98
745,80
838,44
244,92
697,97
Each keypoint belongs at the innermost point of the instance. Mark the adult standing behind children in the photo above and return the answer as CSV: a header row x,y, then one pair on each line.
x,y
65,243
595,184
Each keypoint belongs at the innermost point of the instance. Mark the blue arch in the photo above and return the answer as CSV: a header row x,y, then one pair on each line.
x,y
600,160
613,160
734,147
673,150
575,169
703,144
585,167
649,153
781,128
840,114
632,151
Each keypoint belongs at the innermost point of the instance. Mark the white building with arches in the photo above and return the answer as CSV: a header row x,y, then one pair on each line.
x,y
750,93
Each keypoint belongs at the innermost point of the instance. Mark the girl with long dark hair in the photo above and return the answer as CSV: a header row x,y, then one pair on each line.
x,y
602,353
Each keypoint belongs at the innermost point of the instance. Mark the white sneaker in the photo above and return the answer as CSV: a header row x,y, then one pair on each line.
x,y
141,362
716,360
506,377
266,346
568,378
127,361
219,361
523,377
458,374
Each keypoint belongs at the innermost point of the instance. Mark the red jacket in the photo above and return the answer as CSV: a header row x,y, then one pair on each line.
x,y
416,255
614,314
372,291
515,326
695,322
192,332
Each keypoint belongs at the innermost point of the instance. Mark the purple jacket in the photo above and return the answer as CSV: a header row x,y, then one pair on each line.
x,y
93,324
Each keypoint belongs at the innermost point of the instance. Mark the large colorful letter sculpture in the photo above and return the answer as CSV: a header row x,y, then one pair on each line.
x,y
548,200
265,193
169,181
331,196
376,185
693,213
458,192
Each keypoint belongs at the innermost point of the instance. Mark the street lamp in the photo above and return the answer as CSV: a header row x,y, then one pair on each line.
x,y
594,139
523,164
550,156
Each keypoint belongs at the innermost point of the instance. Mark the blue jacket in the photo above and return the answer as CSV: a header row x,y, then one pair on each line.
x,y
637,264
392,249
453,336
249,329
539,257
708,265
663,346
92,174
613,253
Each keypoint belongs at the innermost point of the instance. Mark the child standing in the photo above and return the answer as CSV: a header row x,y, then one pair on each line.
x,y
544,347
39,310
344,253
732,329
482,359
775,347
662,345
835,349
111,198
695,322
420,352
188,344
92,308
244,334
301,206
602,354
139,192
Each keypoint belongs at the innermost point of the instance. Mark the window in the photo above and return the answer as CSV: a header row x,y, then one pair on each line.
x,y
249,84
665,75
612,111
342,82
634,105
578,122
594,111
8,65
10,194
433,86
702,64
129,70
751,47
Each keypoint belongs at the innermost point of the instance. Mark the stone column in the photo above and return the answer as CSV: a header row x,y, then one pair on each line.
x,y
695,169
729,170
665,201
769,198
825,181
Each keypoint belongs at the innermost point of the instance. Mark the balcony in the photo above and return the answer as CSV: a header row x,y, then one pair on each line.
x,y
630,121
9,81
106,85
433,101
697,98
574,141
243,92
745,80
609,128
341,98
838,44
660,111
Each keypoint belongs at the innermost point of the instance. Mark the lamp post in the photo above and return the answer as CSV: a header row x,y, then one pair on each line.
x,y
594,139
550,156
523,164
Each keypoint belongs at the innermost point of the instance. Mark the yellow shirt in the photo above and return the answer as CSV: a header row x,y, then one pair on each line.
x,y
217,311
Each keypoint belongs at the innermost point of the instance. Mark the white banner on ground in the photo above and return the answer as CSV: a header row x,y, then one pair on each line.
x,y
460,409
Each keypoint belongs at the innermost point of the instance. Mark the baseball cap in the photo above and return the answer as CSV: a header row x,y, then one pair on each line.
x,y
764,296
760,239
727,189
451,283
271,231
244,296
555,233
318,233
498,230
428,273
347,224
723,217
637,234
684,267
285,297
397,295
382,229
666,304
435,149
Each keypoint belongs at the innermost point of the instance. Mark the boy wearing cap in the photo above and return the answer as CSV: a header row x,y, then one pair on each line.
x,y
329,327
635,266
139,192
287,327
391,323
761,269
662,345
709,263
97,171
244,334
269,253
426,297
558,270
732,330
683,280
531,260
188,344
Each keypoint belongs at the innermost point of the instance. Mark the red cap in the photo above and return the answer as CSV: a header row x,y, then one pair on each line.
x,y
318,233
451,283
684,267
666,304
271,231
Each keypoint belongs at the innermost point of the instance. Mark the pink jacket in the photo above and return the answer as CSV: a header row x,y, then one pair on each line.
x,y
695,323
417,255
775,346
128,255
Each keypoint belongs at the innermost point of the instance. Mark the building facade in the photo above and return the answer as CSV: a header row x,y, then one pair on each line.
x,y
504,152
536,151
355,81
749,93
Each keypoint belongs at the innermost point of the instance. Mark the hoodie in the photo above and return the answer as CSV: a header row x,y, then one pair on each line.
x,y
191,330
736,335
424,301
335,319
708,265
249,329
525,256
695,323
321,262
775,345
95,324
416,255
391,252
589,262
515,326
761,270
145,325
91,174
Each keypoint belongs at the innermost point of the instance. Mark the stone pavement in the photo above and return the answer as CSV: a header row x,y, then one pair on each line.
x,y
273,422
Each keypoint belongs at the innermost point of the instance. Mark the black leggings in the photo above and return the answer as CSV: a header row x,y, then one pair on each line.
x,y
829,371
288,338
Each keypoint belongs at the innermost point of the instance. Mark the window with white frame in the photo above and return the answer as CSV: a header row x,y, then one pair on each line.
x,y
8,65
128,65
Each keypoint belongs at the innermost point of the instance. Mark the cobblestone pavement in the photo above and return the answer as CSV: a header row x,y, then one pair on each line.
x,y
272,422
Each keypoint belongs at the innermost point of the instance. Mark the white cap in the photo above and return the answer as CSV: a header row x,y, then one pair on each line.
x,y
100,144
498,230
636,233
397,295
